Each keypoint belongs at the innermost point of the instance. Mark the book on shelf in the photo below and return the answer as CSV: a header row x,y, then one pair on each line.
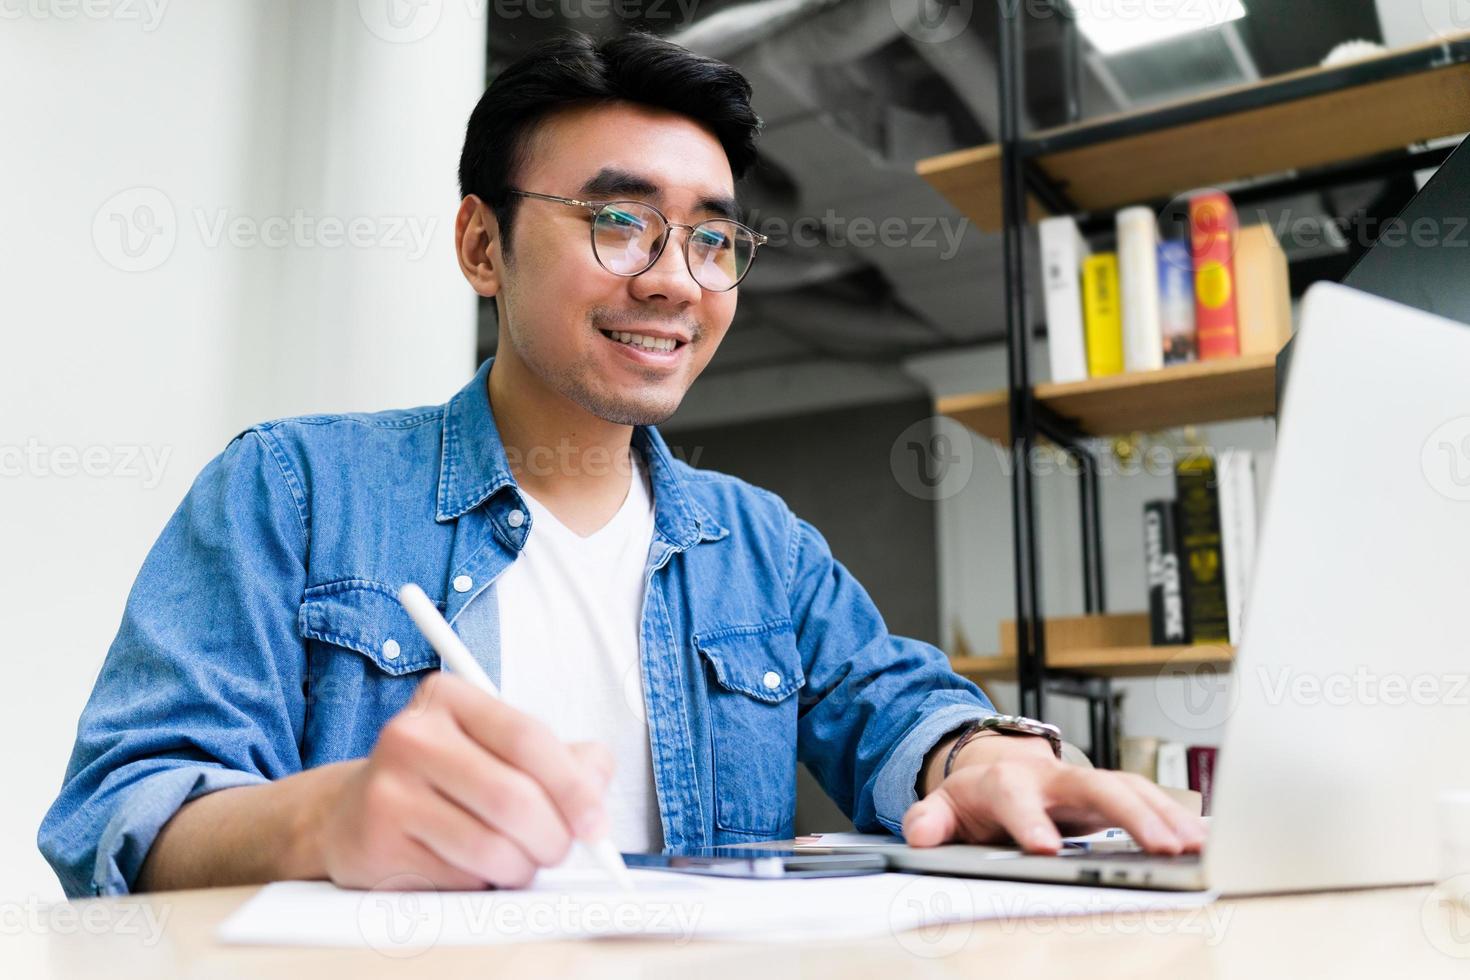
x,y
1221,292
1201,558
1201,762
1168,624
1138,289
1173,765
1264,291
1139,754
1063,250
1176,301
1102,314
1212,224
1236,471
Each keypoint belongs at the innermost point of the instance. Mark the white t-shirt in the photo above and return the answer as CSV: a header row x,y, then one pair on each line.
x,y
570,619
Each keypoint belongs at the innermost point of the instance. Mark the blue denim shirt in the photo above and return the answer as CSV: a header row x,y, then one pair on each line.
x,y
256,640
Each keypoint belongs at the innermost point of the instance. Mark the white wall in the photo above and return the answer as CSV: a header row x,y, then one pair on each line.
x,y
1407,22
175,117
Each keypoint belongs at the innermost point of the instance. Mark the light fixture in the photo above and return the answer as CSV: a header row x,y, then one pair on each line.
x,y
1114,26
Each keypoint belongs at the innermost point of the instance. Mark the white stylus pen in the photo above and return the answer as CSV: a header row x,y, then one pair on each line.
x,y
457,657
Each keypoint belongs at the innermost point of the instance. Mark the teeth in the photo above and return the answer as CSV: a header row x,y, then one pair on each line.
x,y
643,341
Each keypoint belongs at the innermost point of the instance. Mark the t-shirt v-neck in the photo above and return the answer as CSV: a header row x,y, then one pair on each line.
x,y
612,536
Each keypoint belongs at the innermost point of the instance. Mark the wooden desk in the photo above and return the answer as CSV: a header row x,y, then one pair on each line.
x,y
1371,934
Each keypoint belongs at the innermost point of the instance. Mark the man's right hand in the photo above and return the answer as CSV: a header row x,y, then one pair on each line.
x,y
462,790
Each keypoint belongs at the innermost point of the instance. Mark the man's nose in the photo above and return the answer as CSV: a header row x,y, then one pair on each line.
x,y
668,279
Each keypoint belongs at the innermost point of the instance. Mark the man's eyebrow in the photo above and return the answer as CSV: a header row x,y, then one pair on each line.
x,y
610,182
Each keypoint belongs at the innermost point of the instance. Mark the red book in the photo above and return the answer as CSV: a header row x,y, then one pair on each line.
x,y
1212,225
1202,772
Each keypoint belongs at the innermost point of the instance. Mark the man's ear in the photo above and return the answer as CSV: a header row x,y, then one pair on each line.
x,y
477,244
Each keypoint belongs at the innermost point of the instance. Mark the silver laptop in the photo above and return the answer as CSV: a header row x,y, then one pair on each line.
x,y
1350,707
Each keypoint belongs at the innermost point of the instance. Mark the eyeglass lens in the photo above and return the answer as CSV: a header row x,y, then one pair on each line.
x,y
627,237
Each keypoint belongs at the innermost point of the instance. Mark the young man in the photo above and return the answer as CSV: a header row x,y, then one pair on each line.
x,y
670,642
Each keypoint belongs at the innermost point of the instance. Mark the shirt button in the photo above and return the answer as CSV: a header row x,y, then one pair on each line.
x,y
515,518
390,650
772,680
463,583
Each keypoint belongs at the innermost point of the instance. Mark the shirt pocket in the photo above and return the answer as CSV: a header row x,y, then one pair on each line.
x,y
755,671
365,659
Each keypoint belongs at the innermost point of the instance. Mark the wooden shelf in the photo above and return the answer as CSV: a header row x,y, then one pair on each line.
x,y
1145,401
1106,661
1298,121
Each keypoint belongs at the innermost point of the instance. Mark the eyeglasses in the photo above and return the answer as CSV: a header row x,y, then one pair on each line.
x,y
629,236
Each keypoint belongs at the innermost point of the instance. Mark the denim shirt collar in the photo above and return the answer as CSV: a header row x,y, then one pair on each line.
x,y
473,467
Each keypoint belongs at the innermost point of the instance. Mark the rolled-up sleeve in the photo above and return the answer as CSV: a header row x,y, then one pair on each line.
x,y
874,704
202,687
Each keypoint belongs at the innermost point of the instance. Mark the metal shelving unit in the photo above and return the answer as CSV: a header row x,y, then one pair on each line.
x,y
1421,93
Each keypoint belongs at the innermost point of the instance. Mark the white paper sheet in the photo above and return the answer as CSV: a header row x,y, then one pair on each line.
x,y
575,904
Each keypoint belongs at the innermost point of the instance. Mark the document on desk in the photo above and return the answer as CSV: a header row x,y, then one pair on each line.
x,y
563,904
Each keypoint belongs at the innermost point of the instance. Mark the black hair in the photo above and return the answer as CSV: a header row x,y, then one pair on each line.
x,y
573,69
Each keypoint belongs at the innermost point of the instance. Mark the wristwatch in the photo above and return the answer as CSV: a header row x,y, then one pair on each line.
x,y
1004,725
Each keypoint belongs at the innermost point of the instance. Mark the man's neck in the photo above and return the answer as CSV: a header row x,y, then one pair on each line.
x,y
573,462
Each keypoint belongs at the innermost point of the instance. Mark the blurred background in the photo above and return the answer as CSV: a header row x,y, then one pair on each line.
x,y
217,213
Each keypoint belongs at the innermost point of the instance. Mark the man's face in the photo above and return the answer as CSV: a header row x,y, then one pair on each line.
x,y
558,305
